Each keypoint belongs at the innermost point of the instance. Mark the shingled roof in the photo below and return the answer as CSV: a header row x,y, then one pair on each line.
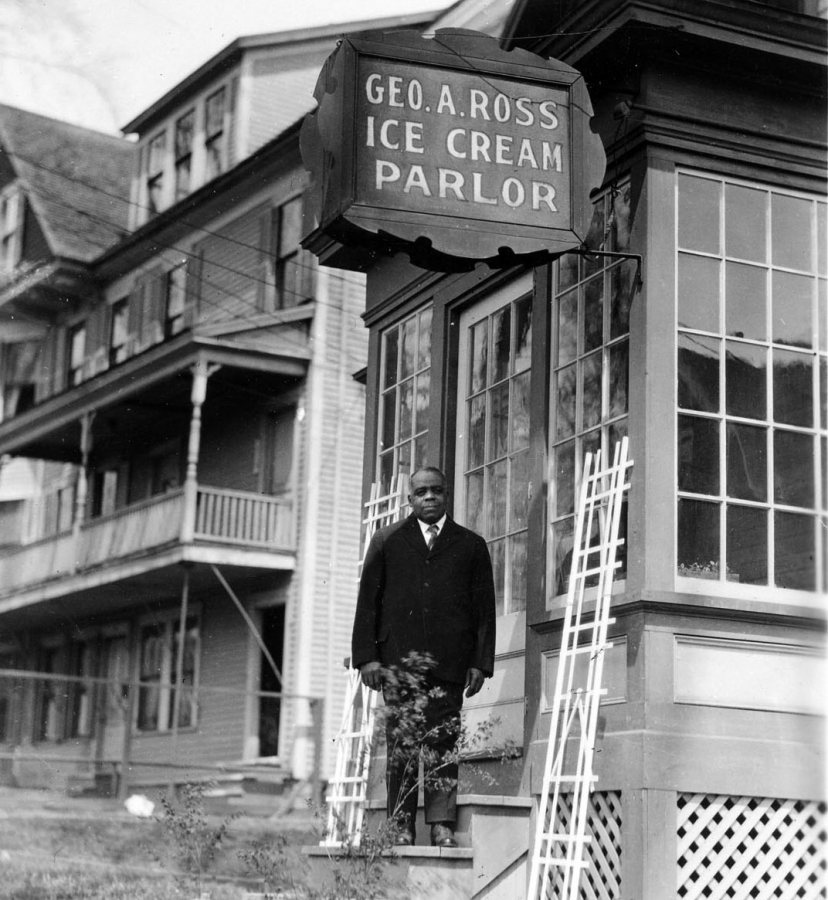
x,y
76,180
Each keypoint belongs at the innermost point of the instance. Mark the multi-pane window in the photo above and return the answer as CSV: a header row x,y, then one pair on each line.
x,y
493,423
590,365
76,355
405,371
752,384
156,159
289,260
175,300
214,133
11,205
184,153
157,673
118,332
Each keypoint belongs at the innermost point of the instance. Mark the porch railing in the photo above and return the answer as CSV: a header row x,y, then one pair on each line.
x,y
243,518
235,518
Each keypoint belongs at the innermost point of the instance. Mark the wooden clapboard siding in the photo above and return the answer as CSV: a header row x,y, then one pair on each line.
x,y
232,269
228,441
219,734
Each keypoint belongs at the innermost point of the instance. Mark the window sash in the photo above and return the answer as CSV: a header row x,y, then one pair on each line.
x,y
751,325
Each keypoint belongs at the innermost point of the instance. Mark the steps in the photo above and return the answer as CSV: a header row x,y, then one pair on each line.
x,y
493,833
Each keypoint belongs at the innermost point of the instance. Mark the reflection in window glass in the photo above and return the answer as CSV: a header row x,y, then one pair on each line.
x,y
698,207
404,403
698,298
747,473
745,222
495,404
590,369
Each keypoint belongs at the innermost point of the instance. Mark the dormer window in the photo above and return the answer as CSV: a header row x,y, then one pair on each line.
x,y
156,153
11,228
184,128
214,133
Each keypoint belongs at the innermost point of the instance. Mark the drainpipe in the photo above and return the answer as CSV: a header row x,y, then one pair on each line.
x,y
82,487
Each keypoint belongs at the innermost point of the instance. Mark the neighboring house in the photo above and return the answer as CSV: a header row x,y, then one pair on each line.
x,y
711,742
178,376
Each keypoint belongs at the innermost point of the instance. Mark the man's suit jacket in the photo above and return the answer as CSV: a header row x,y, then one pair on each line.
x,y
439,601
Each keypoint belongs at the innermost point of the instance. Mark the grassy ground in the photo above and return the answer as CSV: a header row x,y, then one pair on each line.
x,y
57,848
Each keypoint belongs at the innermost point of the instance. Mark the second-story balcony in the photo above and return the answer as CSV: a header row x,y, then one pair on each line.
x,y
223,527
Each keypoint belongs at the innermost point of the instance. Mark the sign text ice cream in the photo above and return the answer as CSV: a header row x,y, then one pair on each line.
x,y
469,146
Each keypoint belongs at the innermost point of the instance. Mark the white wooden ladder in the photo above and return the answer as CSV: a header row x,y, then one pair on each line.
x,y
559,852
347,790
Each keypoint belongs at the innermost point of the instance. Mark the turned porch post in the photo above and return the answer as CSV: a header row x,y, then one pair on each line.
x,y
201,372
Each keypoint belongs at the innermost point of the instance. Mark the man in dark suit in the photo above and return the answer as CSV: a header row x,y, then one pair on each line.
x,y
426,588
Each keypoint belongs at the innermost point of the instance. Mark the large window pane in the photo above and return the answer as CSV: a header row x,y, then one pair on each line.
x,y
497,496
698,538
501,344
698,292
621,289
523,334
567,328
520,412
794,551
591,390
747,545
499,421
746,371
477,431
519,495
479,355
790,220
793,468
746,307
593,313
619,374
793,388
698,373
566,395
698,455
792,304
698,214
565,479
745,232
747,465
517,569
497,551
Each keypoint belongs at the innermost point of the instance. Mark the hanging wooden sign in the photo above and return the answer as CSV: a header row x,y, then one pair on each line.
x,y
452,145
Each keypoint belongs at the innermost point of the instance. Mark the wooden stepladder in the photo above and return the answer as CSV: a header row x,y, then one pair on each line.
x,y
347,790
559,852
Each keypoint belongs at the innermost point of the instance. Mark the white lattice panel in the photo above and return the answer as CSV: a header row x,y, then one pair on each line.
x,y
601,877
755,848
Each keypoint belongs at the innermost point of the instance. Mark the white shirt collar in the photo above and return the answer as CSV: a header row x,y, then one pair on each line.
x,y
424,526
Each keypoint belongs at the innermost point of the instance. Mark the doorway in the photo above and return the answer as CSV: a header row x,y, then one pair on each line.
x,y
270,708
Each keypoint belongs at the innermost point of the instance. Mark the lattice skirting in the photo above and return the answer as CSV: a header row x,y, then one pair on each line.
x,y
750,848
601,879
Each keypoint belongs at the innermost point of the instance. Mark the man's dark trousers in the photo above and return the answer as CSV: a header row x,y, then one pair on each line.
x,y
438,729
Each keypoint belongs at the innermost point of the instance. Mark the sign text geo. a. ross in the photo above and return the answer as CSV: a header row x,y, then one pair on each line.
x,y
458,144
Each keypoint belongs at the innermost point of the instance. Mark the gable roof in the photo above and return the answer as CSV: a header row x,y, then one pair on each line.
x,y
76,180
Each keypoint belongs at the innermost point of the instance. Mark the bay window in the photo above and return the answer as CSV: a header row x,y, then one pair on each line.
x,y
752,367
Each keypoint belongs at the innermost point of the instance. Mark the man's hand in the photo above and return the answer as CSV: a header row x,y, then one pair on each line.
x,y
474,681
371,673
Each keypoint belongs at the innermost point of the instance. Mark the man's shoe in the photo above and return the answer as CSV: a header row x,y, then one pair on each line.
x,y
404,839
442,835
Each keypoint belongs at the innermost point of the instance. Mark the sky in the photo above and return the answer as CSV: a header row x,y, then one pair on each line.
x,y
99,63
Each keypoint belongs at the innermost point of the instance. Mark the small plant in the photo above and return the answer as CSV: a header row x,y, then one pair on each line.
x,y
360,866
270,860
193,841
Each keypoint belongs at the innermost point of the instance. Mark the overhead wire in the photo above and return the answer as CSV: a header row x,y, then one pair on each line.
x,y
123,232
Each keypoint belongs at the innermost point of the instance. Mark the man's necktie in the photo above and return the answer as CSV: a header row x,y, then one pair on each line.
x,y
433,531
